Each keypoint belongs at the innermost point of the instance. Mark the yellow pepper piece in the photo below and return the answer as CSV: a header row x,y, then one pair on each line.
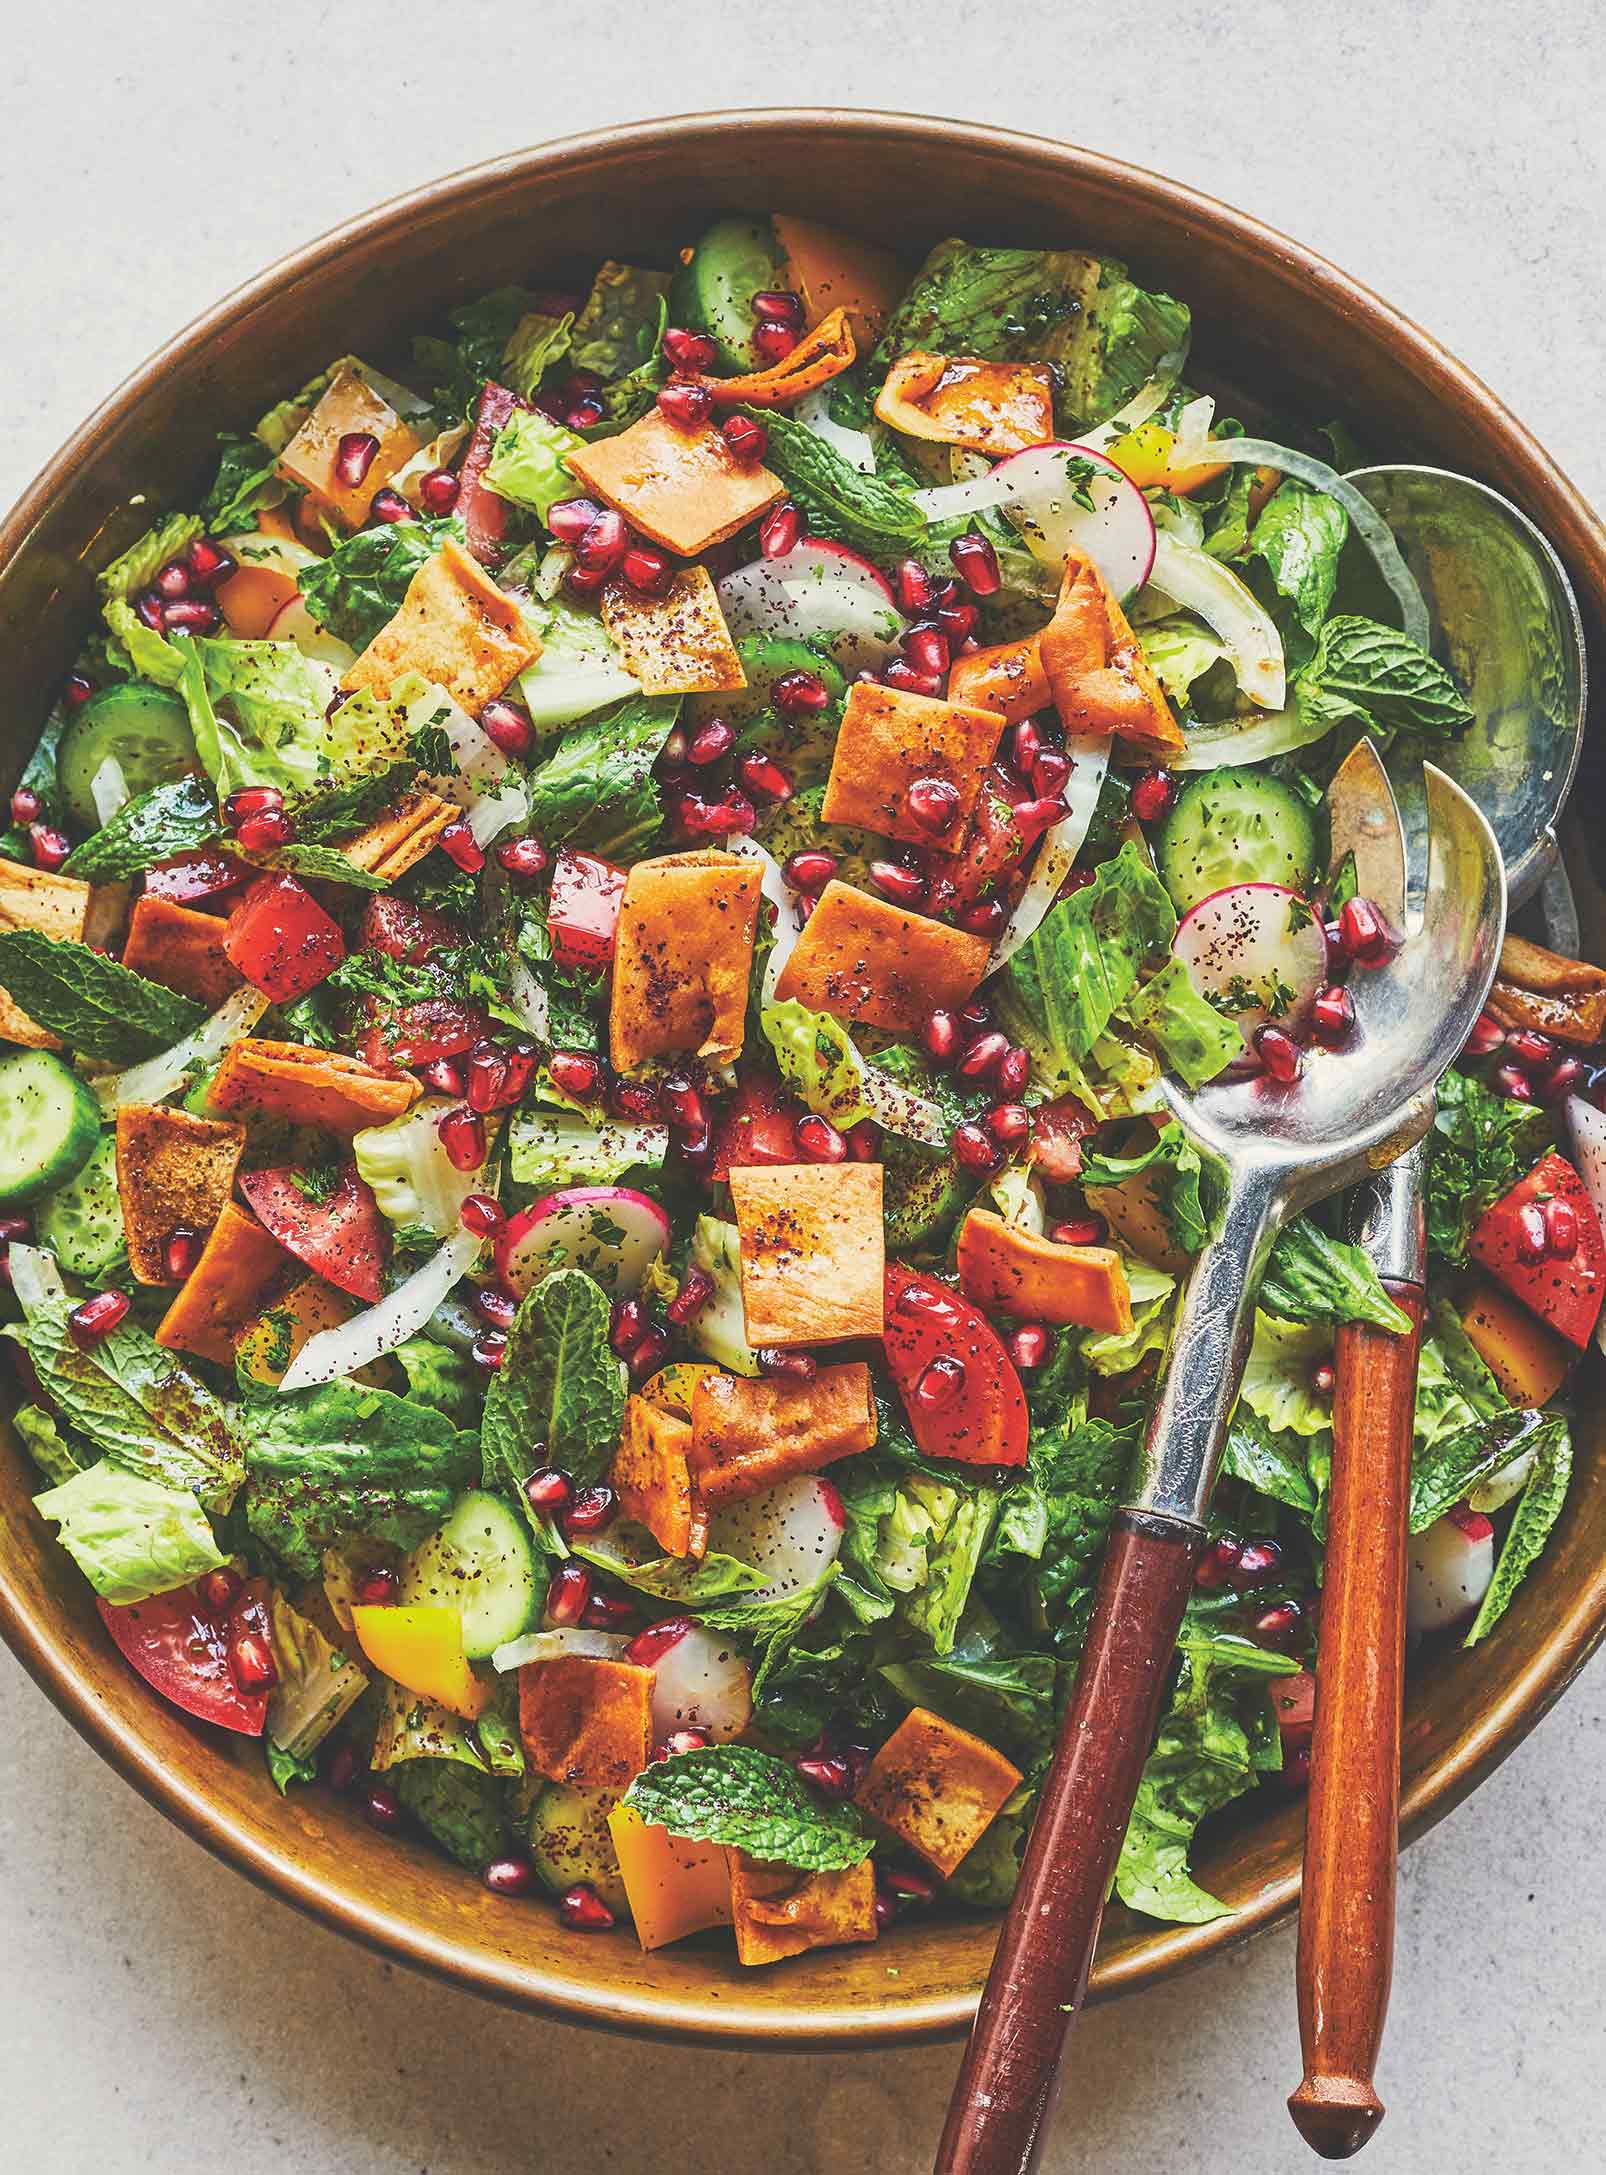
x,y
671,1387
422,1648
1144,457
675,1887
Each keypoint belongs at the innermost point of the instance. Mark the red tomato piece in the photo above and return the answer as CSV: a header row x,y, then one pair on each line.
x,y
181,1650
188,877
418,1034
340,1236
483,513
1566,1284
1058,1131
978,1419
281,939
583,909
399,930
759,1125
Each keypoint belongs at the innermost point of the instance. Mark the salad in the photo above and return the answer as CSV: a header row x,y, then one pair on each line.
x,y
586,962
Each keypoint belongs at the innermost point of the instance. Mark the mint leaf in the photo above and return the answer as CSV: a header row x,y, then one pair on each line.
x,y
751,1801
771,1625
868,513
1364,670
1480,1145
1269,1461
559,1396
96,1005
1538,1508
338,811
1445,1472
464,1810
174,817
1312,1278
1299,537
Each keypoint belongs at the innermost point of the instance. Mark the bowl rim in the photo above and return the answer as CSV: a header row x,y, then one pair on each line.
x,y
1484,1738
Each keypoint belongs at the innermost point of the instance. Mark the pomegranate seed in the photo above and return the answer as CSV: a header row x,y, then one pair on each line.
x,y
1029,1345
732,814
1363,934
513,1876
635,1100
1279,1625
627,1324
604,544
827,1772
378,1587
982,917
462,1135
381,1807
959,623
1152,795
507,726
191,615
976,564
779,530
604,1613
785,1366
940,1383
1032,818
437,492
489,1351
1218,1565
685,350
1563,1079
354,456
810,869
251,1662
939,1037
1279,1053
221,1589
1561,1229
696,1289
388,505
800,693
338,1764
820,1141
252,800
77,689
1051,774
1530,1049
1012,1072
886,1907
927,650
902,675
95,1318
1078,880
519,1061
591,1509
909,1884
486,1072
1513,1083
1333,1014
262,834
172,581
1486,1037
1324,1378
773,342
934,804
780,304
650,1353
767,779
974,1147
1258,1561
1025,746
1088,1230
574,1073
524,859
148,608
1296,1767
549,1490
181,1250
481,1215
1009,1123
895,880
572,518
976,1018
711,743
647,569
568,1593
687,406
864,1141
983,1054
649,1647
584,413
459,844
680,1741
495,1304
207,561
25,805
1533,1232
911,585
747,439
582,1910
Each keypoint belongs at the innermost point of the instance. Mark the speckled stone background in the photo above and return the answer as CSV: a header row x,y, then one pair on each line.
x,y
155,2011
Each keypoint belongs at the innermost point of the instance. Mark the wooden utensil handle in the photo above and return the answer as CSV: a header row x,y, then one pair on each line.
x,y
1346,1912
1005,2091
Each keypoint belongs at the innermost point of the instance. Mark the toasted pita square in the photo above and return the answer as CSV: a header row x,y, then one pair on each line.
x,y
225,1291
586,1722
936,1787
1098,672
36,898
888,739
349,406
961,400
683,488
265,1079
456,628
676,644
1007,1269
181,949
813,1252
682,958
747,1435
652,1476
862,958
777,1911
174,1172
399,838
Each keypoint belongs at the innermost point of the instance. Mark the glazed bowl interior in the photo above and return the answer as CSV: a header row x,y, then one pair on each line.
x,y
1274,326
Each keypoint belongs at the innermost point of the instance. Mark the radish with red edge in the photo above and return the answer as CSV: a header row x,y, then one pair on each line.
x,y
1260,947
700,1678
821,593
611,1232
1062,497
792,1533
294,623
1452,1565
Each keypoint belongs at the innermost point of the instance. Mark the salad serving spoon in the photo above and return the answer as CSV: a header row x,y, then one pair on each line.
x,y
1504,617
1270,1150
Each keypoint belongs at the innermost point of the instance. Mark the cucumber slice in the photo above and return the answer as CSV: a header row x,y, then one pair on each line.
x,y
804,744
49,1125
82,1221
570,1841
481,1563
924,1194
796,823
1235,826
145,728
735,260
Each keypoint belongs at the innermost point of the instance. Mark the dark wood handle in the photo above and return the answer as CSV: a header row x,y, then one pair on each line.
x,y
1001,2103
1346,1912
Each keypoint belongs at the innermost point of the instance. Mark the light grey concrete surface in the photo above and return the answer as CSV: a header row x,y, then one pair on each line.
x,y
155,2011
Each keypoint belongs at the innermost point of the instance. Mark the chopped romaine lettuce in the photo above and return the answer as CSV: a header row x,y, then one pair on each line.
x,y
131,1537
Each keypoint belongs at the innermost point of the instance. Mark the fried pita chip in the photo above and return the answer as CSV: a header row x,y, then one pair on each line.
x,y
676,644
1096,667
1549,992
397,840
684,488
682,957
36,898
1008,678
586,1722
778,1911
455,627
819,356
747,1435
961,400
223,1293
263,1079
936,1787
813,1252
181,949
652,1476
349,407
174,1172
1008,1270
862,958
888,739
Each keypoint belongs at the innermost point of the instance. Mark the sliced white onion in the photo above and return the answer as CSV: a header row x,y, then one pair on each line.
x,y
1589,1143
1373,531
1249,740
35,1278
1147,401
368,1336
1193,431
814,413
529,1000
108,789
836,600
898,1109
788,923
1201,584
564,1639
155,1078
1056,856
1115,530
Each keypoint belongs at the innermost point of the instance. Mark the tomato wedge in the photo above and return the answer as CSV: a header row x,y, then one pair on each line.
x,y
982,1420
758,1125
180,1648
340,1235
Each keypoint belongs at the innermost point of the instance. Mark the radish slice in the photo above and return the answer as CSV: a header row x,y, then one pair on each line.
x,y
611,1232
814,413
1259,942
1056,856
554,1644
700,1680
1452,1564
379,1329
155,1078
1192,579
792,1532
1042,492
1248,740
817,592
294,623
1589,1142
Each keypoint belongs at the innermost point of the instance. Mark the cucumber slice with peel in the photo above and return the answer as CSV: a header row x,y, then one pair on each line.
x,y
1235,826
49,1125
82,1221
482,1563
570,1841
713,293
144,729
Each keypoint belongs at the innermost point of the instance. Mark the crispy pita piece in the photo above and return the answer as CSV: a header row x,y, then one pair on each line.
x,y
350,405
262,1079
586,1722
1008,678
936,1787
181,949
747,1435
682,957
778,1911
1095,665
961,400
887,740
819,356
683,488
223,1293
813,1252
397,840
676,644
832,270
174,1172
265,1349
36,898
455,627
652,1476
1549,992
1007,1270
862,958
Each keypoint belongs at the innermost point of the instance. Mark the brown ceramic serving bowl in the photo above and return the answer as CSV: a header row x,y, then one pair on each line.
x,y
1272,322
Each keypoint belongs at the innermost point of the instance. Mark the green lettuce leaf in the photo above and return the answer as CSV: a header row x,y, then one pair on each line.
x,y
460,1808
319,1683
527,461
578,671
1277,1384
131,1537
1079,1467
629,1554
56,1457
548,1148
749,1800
597,790
1174,1172
536,342
769,1626
97,1005
482,332
442,1379
1313,1278
247,481
1538,1507
927,1545
1118,1351
360,586
620,316
559,1396
1194,1040
257,713
1366,671
1299,538
1271,1463
1008,1699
